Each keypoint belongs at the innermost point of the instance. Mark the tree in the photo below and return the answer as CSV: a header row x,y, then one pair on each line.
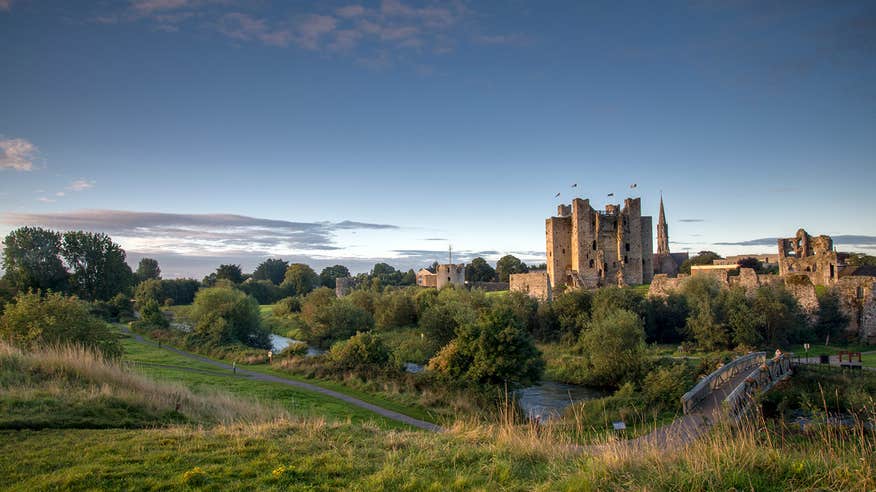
x,y
508,265
386,274
744,323
223,316
264,291
338,321
152,317
702,258
272,269
614,347
860,259
395,310
231,273
750,262
496,350
409,278
300,279
479,271
99,269
362,350
611,299
35,321
831,321
328,275
780,313
32,260
148,270
702,322
572,310
315,302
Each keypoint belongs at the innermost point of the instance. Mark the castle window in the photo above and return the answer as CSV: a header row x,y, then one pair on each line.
x,y
591,263
564,250
594,245
831,270
860,292
627,246
605,266
625,259
814,267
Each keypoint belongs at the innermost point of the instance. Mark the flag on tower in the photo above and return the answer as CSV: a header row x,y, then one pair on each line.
x,y
611,194
633,185
557,195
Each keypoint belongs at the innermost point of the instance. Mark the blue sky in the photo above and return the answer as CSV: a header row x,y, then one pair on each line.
x,y
351,132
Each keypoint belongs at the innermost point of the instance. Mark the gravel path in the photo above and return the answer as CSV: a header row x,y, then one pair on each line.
x,y
257,376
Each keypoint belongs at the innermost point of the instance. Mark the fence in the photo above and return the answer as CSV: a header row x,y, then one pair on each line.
x,y
704,388
760,380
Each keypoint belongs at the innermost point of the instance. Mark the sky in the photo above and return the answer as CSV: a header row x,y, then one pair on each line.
x,y
201,132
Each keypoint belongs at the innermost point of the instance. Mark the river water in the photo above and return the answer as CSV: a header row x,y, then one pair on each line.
x,y
279,343
548,399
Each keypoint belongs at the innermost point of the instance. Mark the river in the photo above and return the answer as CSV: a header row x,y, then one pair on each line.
x,y
548,399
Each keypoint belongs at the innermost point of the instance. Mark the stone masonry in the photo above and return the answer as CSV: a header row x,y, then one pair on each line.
x,y
589,248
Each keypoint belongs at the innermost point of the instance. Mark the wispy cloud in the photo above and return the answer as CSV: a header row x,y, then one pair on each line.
x,y
199,234
691,220
843,239
374,35
80,185
17,153
46,199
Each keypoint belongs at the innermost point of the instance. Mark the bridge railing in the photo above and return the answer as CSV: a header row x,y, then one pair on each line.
x,y
691,400
761,379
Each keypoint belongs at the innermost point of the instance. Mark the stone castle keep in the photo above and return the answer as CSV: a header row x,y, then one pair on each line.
x,y
590,248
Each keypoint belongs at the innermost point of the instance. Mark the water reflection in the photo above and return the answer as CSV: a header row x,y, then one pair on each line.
x,y
279,343
548,399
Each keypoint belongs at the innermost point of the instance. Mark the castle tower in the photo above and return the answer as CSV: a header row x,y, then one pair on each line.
x,y
662,231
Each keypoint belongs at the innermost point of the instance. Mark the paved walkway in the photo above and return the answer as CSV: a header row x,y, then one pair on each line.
x,y
257,376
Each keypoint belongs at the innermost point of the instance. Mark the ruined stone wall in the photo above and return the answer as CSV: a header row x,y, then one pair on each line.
x,y
344,285
662,284
802,288
448,274
558,232
810,256
647,249
858,302
489,286
533,284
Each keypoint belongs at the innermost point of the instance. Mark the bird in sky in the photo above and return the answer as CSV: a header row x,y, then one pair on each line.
x,y
611,194
557,195
633,185
574,185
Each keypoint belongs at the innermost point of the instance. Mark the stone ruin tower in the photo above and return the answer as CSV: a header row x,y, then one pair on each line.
x,y
589,248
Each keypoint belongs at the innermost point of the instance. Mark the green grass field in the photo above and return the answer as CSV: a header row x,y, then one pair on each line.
x,y
297,401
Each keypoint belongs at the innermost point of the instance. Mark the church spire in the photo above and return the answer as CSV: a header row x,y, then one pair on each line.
x,y
662,231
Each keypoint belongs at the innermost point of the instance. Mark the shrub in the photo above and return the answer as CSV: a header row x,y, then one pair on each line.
x,y
395,310
33,321
151,316
362,350
664,386
286,306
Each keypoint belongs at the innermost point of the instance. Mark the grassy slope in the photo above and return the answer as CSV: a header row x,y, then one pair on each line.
x,y
299,402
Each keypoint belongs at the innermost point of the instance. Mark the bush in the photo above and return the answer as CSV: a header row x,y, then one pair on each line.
x,y
295,349
224,315
664,386
362,350
315,302
33,321
264,291
152,317
286,306
395,310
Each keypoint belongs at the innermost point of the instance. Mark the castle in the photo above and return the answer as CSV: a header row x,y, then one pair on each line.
x,y
589,248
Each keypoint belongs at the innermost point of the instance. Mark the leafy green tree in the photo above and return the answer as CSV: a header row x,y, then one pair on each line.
x,y
508,265
32,260
99,269
666,318
614,346
264,291
479,271
231,273
386,274
300,279
272,269
315,302
338,321
572,310
224,315
35,321
329,274
409,278
287,306
610,299
781,315
831,322
152,317
395,310
148,269
742,320
496,350
750,262
701,258
703,323
860,259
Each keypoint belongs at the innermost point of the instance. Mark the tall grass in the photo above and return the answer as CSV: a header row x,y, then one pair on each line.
x,y
71,372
